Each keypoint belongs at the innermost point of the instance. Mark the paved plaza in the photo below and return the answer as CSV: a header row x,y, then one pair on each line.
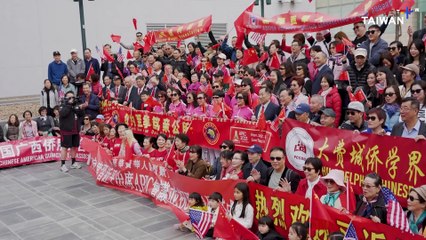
x,y
40,202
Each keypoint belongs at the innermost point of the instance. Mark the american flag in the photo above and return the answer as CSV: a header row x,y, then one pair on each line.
x,y
120,56
201,221
258,37
99,52
395,214
350,233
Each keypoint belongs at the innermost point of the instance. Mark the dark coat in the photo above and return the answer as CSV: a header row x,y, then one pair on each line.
x,y
271,235
260,167
271,111
399,128
316,84
288,174
378,208
93,108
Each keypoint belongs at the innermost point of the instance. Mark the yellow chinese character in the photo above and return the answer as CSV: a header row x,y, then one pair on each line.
x,y
179,30
262,209
139,120
175,127
321,149
156,123
372,159
391,162
189,27
132,121
321,234
343,226
166,125
413,170
200,23
146,121
127,119
305,18
340,151
356,155
265,21
170,32
185,126
320,19
279,215
298,214
374,236
293,20
280,21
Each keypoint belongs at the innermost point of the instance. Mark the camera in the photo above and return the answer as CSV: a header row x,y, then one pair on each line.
x,y
66,101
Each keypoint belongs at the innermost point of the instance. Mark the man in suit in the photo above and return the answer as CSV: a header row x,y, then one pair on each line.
x,y
140,87
411,126
156,86
118,90
108,88
90,102
156,70
256,163
323,69
131,97
271,110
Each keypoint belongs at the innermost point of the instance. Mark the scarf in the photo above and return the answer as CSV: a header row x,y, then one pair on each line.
x,y
391,109
325,93
330,198
415,226
368,209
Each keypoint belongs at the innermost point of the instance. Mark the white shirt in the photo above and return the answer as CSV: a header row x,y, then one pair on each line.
x,y
247,221
311,185
264,109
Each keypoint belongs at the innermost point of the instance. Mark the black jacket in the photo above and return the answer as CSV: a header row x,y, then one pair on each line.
x,y
399,128
271,111
271,235
70,119
378,209
288,174
260,167
316,83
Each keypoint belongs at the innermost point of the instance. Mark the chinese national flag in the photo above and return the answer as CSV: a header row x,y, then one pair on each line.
x,y
149,40
222,228
150,71
116,38
137,46
250,56
238,23
261,122
352,97
276,123
129,55
360,96
108,56
241,232
189,59
135,24
263,57
340,47
275,62
90,72
344,76
231,64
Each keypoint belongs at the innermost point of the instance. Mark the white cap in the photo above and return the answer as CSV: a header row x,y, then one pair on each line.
x,y
360,52
221,55
73,50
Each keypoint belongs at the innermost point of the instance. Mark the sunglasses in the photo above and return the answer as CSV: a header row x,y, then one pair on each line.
x,y
246,75
138,35
350,113
356,27
329,181
371,32
243,85
391,48
299,69
86,119
308,169
389,94
160,96
281,68
174,94
215,86
412,198
416,91
372,118
239,97
199,98
237,86
275,158
224,147
215,97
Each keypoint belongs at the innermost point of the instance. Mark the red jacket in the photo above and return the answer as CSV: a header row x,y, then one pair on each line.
x,y
319,188
334,101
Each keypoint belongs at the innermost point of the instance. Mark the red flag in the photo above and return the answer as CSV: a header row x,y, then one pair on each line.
x,y
108,56
119,72
116,38
261,122
347,42
241,232
275,62
231,64
137,46
239,26
135,24
178,43
129,55
360,95
344,76
90,72
350,201
108,94
180,214
222,228
250,56
352,97
340,47
189,59
263,57
149,40
216,46
276,123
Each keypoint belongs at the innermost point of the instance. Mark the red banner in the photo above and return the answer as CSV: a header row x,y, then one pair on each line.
x,y
399,161
184,31
151,179
296,22
34,150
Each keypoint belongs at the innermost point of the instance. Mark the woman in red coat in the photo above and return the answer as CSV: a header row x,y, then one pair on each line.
x,y
311,185
331,97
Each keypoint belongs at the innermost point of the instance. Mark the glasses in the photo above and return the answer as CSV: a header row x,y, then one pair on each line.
x,y
215,97
174,94
371,32
406,109
308,169
138,35
160,96
350,113
275,158
237,86
413,91
281,68
391,48
356,27
215,86
246,75
298,69
239,97
329,181
389,94
372,118
244,85
224,147
412,198
199,98
86,119
367,186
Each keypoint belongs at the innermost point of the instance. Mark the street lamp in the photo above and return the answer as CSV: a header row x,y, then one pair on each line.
x,y
82,24
262,6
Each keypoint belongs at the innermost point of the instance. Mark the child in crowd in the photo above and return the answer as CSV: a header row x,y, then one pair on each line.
x,y
266,229
298,231
195,202
241,210
215,199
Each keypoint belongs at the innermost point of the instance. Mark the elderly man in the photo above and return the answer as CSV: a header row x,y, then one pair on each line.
x,y
328,117
278,176
266,107
89,61
375,45
360,36
256,164
302,112
320,60
131,97
355,112
411,126
75,66
90,102
358,70
316,104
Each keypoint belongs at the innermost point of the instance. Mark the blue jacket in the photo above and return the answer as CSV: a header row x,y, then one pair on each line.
x,y
95,64
55,72
93,109
378,48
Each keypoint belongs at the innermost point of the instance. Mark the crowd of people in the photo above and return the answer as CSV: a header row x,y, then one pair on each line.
x,y
317,81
